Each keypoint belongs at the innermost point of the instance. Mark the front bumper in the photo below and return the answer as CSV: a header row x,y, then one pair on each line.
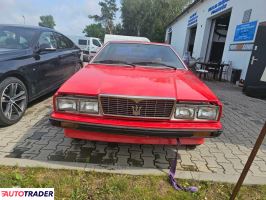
x,y
135,131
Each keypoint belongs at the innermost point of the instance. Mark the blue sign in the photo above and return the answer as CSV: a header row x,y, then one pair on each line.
x,y
193,19
245,32
221,5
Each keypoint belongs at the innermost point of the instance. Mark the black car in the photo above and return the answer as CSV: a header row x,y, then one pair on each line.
x,y
33,61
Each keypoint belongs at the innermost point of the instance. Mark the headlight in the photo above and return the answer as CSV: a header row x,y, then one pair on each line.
x,y
65,104
208,112
184,112
78,105
89,106
196,112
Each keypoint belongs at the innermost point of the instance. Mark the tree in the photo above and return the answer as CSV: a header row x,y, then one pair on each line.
x,y
118,29
108,11
94,30
149,18
47,21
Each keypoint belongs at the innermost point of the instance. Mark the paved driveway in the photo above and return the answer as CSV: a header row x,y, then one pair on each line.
x,y
34,138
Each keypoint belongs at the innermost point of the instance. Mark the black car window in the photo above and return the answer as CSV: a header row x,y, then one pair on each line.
x,y
16,38
47,40
96,42
63,42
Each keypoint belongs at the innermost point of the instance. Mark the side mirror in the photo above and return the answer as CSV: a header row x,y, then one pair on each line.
x,y
45,47
86,58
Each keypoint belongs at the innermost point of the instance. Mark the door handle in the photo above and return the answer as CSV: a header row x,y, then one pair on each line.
x,y
253,59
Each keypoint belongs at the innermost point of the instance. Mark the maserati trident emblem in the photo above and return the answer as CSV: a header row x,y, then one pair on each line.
x,y
136,110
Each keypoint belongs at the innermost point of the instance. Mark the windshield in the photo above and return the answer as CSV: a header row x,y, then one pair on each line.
x,y
139,54
15,38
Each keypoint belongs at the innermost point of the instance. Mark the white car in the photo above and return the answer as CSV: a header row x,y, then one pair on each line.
x,y
109,37
88,45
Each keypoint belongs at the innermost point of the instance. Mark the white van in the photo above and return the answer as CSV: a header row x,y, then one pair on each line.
x,y
109,37
88,45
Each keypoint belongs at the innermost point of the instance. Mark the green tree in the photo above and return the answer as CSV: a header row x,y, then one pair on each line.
x,y
108,12
47,21
149,18
118,29
94,30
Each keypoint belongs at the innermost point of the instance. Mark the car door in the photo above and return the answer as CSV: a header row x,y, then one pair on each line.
x,y
68,56
255,81
83,44
47,63
95,45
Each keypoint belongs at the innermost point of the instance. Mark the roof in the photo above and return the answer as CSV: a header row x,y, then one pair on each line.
x,y
137,42
27,26
184,11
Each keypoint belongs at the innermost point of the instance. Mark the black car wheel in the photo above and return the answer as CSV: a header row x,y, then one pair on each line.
x,y
13,102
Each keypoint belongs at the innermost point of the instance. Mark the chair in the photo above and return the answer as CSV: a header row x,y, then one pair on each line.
x,y
213,70
227,70
201,70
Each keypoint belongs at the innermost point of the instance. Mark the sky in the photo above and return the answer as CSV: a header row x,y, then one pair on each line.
x,y
70,16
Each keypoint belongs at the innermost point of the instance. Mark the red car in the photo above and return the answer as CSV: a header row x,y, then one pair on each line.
x,y
136,92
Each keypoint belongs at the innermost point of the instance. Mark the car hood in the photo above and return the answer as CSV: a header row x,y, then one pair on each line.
x,y
139,81
9,54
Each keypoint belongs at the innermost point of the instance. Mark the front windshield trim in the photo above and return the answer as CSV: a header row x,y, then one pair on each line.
x,y
182,66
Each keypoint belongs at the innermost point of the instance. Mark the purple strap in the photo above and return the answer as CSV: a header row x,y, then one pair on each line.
x,y
172,176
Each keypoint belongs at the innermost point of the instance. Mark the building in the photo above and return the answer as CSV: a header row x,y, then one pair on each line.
x,y
219,31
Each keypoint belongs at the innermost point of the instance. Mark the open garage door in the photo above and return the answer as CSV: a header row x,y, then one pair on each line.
x,y
217,38
191,41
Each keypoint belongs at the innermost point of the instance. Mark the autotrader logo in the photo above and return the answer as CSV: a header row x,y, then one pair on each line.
x,y
26,193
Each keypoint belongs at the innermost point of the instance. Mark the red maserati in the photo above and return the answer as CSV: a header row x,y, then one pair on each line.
x,y
137,92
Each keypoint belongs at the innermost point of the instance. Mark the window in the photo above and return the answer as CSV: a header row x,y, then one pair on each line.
x,y
16,38
82,42
146,54
96,43
63,42
47,40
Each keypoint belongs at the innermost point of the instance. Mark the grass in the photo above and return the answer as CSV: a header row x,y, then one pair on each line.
x,y
80,185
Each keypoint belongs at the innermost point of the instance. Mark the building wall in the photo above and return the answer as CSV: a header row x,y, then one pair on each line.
x,y
180,33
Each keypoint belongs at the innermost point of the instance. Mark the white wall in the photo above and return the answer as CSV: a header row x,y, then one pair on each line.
x,y
240,59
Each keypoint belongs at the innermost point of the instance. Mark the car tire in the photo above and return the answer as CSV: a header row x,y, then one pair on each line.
x,y
13,100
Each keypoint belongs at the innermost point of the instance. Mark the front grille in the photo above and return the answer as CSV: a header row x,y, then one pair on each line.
x,y
137,107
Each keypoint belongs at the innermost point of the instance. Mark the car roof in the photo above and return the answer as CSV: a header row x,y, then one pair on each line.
x,y
28,27
137,42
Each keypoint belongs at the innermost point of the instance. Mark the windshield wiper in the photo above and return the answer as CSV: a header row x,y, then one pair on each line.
x,y
154,63
114,62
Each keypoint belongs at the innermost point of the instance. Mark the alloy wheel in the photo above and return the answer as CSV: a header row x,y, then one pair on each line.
x,y
13,101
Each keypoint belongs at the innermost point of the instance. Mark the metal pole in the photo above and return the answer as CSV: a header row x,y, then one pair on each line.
x,y
249,162
23,18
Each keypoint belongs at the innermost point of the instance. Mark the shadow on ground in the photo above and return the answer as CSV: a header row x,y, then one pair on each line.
x,y
242,119
45,142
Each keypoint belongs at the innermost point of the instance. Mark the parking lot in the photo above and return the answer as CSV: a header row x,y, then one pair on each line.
x,y
34,138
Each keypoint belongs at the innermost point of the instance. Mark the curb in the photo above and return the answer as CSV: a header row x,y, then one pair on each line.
x,y
137,171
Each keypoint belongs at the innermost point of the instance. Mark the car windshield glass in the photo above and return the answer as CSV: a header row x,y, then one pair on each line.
x,y
150,55
16,38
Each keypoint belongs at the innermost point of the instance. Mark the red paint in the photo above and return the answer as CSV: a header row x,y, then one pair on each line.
x,y
180,84
191,141
96,136
139,81
167,124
